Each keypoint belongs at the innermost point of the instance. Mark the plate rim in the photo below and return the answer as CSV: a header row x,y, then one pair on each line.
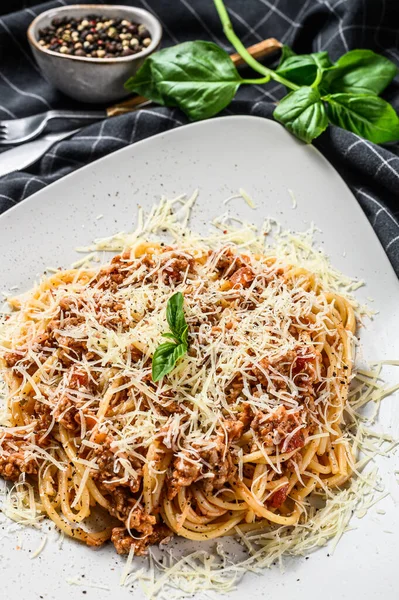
x,y
198,124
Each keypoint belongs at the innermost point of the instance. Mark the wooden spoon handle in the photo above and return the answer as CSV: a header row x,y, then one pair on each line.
x,y
258,51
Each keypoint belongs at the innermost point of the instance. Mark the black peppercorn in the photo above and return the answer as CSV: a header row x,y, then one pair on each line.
x,y
94,36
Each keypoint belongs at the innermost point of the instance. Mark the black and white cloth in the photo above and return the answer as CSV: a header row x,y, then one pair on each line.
x,y
372,172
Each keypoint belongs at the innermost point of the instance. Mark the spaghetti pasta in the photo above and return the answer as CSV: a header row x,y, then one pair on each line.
x,y
239,435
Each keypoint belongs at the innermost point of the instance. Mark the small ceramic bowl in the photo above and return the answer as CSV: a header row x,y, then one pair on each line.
x,y
94,80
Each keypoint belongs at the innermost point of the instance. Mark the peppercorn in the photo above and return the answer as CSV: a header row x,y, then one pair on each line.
x,y
143,31
94,37
112,32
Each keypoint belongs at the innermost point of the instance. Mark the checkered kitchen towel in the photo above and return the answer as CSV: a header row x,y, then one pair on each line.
x,y
371,171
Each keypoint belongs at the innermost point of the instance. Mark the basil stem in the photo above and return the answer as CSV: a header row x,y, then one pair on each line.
x,y
243,52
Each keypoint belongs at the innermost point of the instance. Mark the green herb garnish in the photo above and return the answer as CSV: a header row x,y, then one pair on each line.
x,y
200,78
166,355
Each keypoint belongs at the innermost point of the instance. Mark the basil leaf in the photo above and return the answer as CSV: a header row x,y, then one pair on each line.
x,y
170,336
303,113
359,72
370,117
167,354
175,316
165,357
184,335
286,52
303,69
198,77
144,83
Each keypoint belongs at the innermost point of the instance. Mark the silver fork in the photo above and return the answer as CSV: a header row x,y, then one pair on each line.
x,y
21,157
18,131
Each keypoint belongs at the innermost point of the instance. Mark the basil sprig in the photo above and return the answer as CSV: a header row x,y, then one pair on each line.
x,y
200,78
166,355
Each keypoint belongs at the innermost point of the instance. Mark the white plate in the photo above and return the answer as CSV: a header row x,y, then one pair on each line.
x,y
218,157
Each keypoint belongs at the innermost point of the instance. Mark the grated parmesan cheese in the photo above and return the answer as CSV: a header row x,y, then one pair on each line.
x,y
87,583
40,548
293,198
247,198
203,571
